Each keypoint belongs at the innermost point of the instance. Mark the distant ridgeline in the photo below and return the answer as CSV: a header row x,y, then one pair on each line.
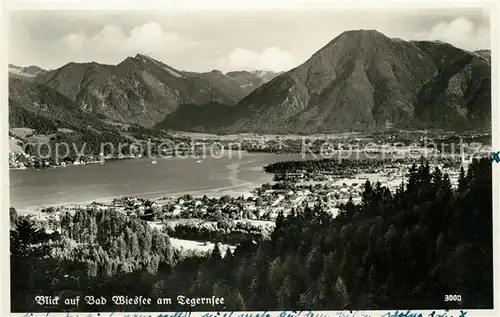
x,y
407,248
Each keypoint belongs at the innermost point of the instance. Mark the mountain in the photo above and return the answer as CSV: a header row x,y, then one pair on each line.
x,y
140,89
252,80
237,84
36,106
458,95
209,117
364,80
26,73
198,118
265,75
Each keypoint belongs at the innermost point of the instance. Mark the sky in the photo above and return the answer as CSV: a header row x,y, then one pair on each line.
x,y
226,40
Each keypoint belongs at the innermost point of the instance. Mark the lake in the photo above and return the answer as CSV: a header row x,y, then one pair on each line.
x,y
234,175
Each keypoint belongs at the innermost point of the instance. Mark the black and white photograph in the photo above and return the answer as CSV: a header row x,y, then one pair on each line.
x,y
229,159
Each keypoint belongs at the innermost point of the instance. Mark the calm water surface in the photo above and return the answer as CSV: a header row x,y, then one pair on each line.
x,y
30,189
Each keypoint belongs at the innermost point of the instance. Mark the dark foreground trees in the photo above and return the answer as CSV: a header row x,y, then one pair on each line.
x,y
406,249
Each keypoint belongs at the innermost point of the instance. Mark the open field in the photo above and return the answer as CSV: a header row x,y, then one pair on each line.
x,y
198,246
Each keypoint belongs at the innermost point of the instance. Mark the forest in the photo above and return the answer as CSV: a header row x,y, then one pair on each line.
x,y
403,249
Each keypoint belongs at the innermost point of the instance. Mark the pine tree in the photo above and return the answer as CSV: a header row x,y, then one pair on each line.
x,y
446,185
462,181
366,197
413,178
286,292
237,301
279,220
216,252
372,287
323,294
229,255
350,208
91,269
275,274
437,180
341,293
24,237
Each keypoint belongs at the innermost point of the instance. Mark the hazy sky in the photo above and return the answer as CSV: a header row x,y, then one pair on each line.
x,y
225,40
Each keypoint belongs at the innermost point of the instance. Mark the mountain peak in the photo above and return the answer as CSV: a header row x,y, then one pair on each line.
x,y
355,39
143,57
360,35
361,32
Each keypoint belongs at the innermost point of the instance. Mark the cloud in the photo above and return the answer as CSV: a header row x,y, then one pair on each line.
x,y
272,58
145,38
150,38
460,32
75,41
110,37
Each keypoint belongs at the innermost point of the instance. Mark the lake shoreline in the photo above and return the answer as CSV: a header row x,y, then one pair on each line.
x,y
32,190
233,191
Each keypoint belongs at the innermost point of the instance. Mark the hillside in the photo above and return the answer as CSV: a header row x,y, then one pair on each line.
x,y
458,95
36,106
363,80
198,118
140,89
48,112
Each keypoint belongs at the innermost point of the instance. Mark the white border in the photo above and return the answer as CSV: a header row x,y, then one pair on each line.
x,y
495,145
172,5
4,167
143,5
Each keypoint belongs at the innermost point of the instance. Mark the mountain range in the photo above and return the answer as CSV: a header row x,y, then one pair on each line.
x,y
361,80
139,90
143,90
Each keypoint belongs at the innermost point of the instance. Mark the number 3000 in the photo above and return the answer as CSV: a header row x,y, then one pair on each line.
x,y
452,298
